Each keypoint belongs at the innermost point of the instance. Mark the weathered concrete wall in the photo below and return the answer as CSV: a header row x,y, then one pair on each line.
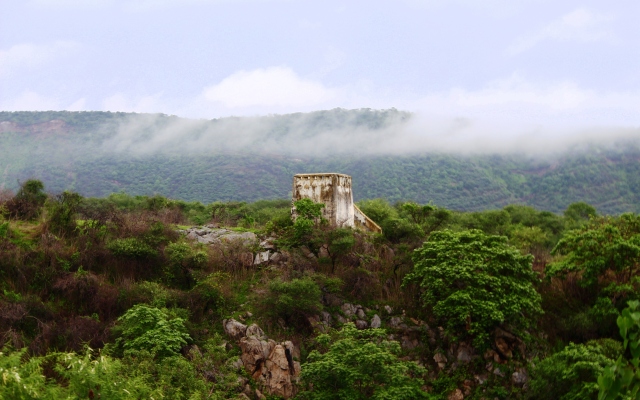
x,y
334,191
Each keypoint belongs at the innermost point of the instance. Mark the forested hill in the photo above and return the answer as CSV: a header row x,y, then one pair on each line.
x,y
98,153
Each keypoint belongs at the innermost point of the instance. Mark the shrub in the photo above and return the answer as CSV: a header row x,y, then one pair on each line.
x,y
132,248
360,365
61,212
150,329
26,204
474,282
571,373
295,300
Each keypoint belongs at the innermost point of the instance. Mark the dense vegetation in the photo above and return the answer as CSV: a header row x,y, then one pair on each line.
x,y
105,298
249,159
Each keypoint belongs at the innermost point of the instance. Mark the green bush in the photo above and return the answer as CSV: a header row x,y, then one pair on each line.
x,y
360,365
133,248
150,329
475,282
295,300
61,212
27,203
571,373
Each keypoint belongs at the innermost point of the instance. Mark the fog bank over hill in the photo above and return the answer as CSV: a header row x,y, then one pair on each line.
x,y
355,132
458,164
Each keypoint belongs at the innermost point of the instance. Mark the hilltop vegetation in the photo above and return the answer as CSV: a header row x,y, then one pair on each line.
x,y
248,159
118,297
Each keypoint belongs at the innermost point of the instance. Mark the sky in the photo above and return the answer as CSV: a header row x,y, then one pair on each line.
x,y
527,67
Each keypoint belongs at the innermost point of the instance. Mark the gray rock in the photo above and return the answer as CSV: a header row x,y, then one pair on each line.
x,y
388,309
276,258
361,314
262,257
376,322
348,309
360,324
255,331
234,329
520,377
441,360
395,322
340,319
326,318
465,353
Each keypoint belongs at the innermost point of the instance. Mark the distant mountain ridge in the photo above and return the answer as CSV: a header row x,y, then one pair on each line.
x,y
247,159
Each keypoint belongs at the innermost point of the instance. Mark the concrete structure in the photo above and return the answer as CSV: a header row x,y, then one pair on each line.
x,y
334,191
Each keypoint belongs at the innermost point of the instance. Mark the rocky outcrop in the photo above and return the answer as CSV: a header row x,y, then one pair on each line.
x,y
211,235
269,363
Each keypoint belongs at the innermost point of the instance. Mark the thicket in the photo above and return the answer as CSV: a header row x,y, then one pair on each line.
x,y
105,298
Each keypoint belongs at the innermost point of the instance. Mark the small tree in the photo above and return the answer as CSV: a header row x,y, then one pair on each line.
x,y
474,282
28,201
360,365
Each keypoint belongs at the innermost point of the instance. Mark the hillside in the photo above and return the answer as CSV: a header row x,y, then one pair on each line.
x,y
97,153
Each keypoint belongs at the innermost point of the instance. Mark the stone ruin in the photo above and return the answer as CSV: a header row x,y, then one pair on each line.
x,y
334,191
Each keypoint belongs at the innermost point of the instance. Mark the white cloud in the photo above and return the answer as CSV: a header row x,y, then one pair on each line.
x,y
521,102
276,87
140,104
30,101
29,55
580,25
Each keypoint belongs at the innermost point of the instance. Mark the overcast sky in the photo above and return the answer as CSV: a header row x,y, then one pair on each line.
x,y
534,63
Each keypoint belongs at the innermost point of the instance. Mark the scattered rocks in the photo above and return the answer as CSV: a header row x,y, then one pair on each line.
x,y
376,322
348,309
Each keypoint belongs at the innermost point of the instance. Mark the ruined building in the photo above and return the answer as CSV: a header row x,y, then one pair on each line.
x,y
334,191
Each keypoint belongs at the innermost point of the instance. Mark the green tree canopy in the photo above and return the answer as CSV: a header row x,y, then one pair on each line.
x,y
474,282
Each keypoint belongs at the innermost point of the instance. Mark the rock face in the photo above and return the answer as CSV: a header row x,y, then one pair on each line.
x,y
208,235
269,363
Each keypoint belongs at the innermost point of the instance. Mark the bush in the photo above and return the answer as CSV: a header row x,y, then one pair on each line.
x,y
360,365
61,212
26,204
475,282
132,248
571,373
150,329
294,301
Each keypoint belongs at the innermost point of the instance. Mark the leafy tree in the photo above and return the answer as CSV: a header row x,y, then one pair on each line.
x,y
62,210
474,282
622,379
150,329
579,212
571,373
360,365
336,242
604,253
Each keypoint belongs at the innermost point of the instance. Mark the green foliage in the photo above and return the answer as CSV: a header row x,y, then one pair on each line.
x,y
622,379
378,210
475,282
360,365
83,376
182,259
133,248
336,242
606,247
571,373
62,211
295,300
150,329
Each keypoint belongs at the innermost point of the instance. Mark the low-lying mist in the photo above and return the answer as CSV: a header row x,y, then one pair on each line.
x,y
354,132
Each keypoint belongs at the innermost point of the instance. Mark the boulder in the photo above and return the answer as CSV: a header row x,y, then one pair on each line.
x,y
376,322
456,395
262,257
360,324
234,329
441,360
388,309
348,309
464,353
